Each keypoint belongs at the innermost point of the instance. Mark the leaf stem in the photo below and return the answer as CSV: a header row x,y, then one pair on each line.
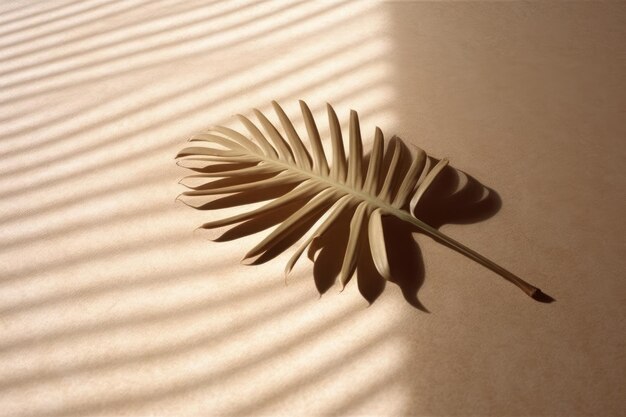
x,y
529,289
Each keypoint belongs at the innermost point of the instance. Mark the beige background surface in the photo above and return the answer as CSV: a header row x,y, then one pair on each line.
x,y
110,305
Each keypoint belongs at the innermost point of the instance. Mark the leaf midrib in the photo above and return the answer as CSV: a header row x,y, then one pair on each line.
x,y
339,186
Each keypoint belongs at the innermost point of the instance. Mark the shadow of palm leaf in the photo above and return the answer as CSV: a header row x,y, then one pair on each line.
x,y
457,198
327,263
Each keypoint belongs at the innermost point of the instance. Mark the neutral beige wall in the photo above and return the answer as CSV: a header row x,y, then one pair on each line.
x,y
110,305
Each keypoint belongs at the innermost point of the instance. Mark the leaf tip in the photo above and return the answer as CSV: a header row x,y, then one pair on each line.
x,y
197,231
542,297
249,259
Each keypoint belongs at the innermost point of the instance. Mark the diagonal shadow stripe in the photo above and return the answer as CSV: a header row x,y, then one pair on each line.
x,y
27,13
337,49
72,13
174,313
63,115
119,40
335,365
103,288
62,73
169,351
366,392
148,181
190,384
329,12
163,241
9,116
81,225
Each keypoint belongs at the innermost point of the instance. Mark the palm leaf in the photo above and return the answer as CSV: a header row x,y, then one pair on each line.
x,y
270,159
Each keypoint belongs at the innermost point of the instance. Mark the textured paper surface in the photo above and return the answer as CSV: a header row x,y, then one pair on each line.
x,y
110,305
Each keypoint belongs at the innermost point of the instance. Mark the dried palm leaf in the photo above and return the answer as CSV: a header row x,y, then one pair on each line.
x,y
270,159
